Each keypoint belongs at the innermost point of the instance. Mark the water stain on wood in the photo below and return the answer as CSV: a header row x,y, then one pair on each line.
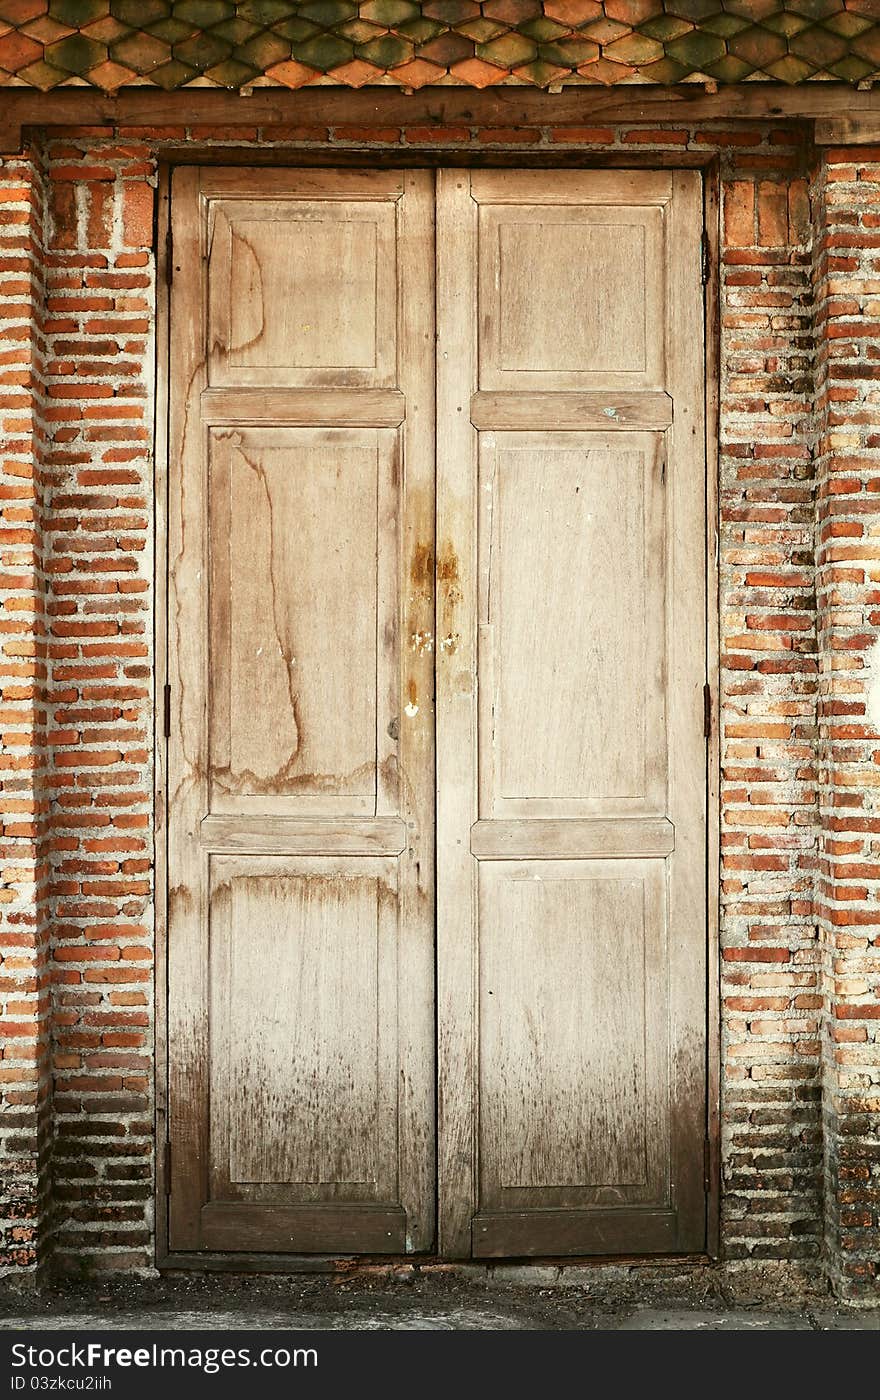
x,y
448,573
421,571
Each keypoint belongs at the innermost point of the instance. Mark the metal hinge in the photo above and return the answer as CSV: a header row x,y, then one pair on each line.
x,y
169,256
704,257
707,1164
167,1172
707,710
166,711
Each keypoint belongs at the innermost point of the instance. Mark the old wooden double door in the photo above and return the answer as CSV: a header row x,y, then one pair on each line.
x,y
436,770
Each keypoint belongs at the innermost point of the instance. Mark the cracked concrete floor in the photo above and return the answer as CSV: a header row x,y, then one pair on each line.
x,y
617,1298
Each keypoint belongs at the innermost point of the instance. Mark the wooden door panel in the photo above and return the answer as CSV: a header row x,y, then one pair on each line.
x,y
577,331
337,321
571,661
300,759
303,1072
573,1072
571,758
303,621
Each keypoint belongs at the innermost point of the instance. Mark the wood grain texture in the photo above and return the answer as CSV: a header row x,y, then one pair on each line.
x,y
555,1233
412,683
340,1229
456,631
299,626
351,836
160,661
335,325
505,106
373,408
687,644
589,602
303,1062
852,129
187,763
231,182
712,322
595,409
571,838
572,653
300,786
579,190
569,634
572,1050
597,322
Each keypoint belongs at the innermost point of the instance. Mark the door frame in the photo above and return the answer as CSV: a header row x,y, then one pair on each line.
x,y
709,166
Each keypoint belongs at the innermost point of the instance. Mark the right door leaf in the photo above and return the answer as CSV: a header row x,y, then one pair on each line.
x,y
572,770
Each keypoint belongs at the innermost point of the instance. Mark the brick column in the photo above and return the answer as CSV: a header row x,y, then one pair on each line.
x,y
99,337
771,1003
847,288
24,994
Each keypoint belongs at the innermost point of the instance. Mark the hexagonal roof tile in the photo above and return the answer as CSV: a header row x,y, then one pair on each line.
x,y
109,44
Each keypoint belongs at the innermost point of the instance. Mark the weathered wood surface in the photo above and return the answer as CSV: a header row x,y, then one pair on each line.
x,y
504,106
568,629
300,760
572,763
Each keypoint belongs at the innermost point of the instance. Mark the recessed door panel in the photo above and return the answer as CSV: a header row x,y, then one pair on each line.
x,y
595,320
303,1062
573,1073
336,321
571,661
303,622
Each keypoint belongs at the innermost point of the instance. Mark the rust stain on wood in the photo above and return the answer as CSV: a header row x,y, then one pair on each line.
x,y
421,570
448,572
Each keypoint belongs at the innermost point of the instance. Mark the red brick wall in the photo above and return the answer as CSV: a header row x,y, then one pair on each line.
x,y
99,337
98,533
847,278
771,993
24,982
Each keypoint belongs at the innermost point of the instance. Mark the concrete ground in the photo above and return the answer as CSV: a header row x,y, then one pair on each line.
x,y
447,1298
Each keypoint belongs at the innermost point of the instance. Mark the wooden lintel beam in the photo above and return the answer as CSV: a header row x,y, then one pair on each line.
x,y
856,130
436,106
